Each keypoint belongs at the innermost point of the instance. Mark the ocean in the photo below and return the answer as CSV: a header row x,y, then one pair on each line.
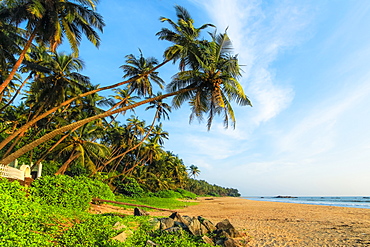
x,y
338,201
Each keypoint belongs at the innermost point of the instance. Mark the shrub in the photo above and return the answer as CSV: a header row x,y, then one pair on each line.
x,y
69,192
168,194
61,191
19,217
92,230
97,189
129,187
186,194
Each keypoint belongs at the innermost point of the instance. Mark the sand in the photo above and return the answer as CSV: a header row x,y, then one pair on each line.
x,y
285,224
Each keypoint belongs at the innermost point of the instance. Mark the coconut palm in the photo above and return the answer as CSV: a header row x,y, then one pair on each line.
x,y
62,82
215,82
80,149
184,36
139,67
49,22
193,171
209,89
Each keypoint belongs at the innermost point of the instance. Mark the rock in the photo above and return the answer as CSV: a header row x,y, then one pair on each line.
x,y
118,226
208,240
166,223
210,227
188,219
285,197
172,229
221,234
123,236
140,212
155,224
177,217
181,225
229,242
151,243
226,226
195,227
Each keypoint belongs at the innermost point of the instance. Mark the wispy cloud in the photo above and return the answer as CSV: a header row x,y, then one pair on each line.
x,y
259,34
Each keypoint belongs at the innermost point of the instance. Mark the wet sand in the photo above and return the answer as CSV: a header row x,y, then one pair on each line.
x,y
286,224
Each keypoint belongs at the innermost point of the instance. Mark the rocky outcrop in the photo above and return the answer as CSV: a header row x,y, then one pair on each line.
x,y
222,234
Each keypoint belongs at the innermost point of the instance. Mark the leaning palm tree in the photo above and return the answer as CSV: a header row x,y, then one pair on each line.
x,y
49,22
183,44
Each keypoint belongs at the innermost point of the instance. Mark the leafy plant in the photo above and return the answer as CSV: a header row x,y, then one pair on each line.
x,y
68,192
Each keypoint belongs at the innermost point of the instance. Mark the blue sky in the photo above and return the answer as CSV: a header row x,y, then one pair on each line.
x,y
307,75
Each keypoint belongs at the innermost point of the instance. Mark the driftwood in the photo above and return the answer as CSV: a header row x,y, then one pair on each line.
x,y
130,204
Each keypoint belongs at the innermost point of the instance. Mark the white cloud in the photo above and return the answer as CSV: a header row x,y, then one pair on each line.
x,y
259,34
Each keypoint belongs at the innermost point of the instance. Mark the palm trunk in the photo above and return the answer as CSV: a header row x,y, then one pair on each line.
x,y
16,93
82,122
54,146
19,62
67,102
134,147
16,141
64,167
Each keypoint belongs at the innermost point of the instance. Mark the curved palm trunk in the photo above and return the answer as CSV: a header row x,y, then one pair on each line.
x,y
64,167
67,102
82,122
54,146
17,92
19,62
133,148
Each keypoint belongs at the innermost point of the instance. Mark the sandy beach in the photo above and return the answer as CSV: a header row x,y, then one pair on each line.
x,y
286,224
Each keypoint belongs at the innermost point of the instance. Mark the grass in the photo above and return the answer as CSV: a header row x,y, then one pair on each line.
x,y
165,203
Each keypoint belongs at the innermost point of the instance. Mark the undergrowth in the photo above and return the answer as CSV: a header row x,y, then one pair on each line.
x,y
54,213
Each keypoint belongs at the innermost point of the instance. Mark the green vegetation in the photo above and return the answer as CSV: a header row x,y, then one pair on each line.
x,y
45,219
63,122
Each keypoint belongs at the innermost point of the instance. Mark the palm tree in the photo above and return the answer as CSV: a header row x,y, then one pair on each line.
x,y
158,134
139,67
215,82
50,21
194,171
182,15
184,36
209,89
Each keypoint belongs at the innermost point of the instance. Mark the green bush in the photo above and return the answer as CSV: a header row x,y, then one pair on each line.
x,y
186,194
19,217
128,187
92,230
168,194
161,238
68,192
97,189
62,191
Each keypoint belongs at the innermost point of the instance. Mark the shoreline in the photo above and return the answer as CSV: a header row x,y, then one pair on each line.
x,y
289,224
336,201
266,223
